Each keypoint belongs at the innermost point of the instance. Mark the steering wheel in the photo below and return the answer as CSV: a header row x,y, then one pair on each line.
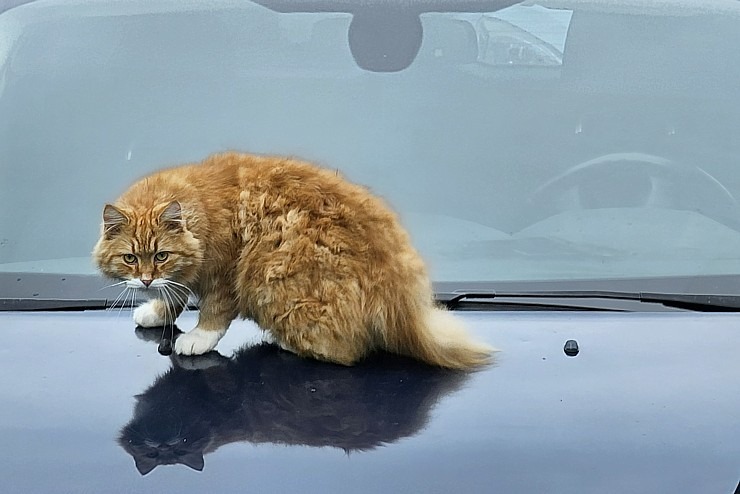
x,y
636,180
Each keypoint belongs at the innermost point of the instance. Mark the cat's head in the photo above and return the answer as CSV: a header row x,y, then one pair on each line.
x,y
172,422
148,454
148,246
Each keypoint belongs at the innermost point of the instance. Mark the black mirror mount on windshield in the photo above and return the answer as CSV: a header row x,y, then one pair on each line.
x,y
385,40
385,36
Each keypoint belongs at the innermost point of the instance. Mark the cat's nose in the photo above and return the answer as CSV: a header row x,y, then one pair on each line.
x,y
146,283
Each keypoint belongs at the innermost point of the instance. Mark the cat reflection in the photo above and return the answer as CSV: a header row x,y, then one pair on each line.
x,y
266,395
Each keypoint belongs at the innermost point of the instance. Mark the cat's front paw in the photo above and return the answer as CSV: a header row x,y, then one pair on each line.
x,y
147,315
198,341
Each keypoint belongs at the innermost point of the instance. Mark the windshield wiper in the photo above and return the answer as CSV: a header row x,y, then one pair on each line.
x,y
693,302
47,304
457,299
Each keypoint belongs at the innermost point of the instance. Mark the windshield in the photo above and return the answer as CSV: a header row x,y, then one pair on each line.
x,y
563,140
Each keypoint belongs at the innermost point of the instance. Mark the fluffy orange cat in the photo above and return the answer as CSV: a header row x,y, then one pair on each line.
x,y
318,262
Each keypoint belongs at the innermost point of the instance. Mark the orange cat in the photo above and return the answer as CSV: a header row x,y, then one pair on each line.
x,y
318,262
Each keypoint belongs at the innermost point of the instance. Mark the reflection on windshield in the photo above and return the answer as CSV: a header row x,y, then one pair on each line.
x,y
265,395
548,140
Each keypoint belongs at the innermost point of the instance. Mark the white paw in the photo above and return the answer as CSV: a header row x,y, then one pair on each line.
x,y
198,341
147,316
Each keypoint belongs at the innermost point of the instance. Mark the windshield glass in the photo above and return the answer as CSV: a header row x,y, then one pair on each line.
x,y
558,140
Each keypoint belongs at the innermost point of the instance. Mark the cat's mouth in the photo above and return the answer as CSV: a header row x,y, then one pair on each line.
x,y
139,284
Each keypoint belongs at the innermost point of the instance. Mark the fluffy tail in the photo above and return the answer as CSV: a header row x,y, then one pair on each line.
x,y
442,340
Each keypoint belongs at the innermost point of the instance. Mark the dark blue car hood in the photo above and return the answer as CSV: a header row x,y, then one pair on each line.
x,y
650,404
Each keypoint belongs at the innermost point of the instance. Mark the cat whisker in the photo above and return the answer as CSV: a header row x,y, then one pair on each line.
x,y
179,429
115,301
178,291
173,304
169,322
182,292
123,295
112,285
169,309
174,301
135,430
126,303
166,308
164,327
176,297
175,283
120,301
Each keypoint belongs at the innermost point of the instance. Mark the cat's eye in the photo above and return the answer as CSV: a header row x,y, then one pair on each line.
x,y
161,256
130,259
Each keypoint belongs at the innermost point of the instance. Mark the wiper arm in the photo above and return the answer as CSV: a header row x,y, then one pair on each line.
x,y
34,304
694,302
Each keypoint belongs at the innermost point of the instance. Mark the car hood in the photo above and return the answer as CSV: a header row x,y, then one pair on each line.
x,y
649,404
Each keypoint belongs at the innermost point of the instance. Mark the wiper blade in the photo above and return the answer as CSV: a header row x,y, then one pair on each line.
x,y
47,304
687,301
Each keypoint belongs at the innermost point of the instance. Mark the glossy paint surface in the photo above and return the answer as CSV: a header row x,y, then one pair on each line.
x,y
649,404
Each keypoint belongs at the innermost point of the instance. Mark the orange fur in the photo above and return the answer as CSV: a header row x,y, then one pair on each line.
x,y
320,263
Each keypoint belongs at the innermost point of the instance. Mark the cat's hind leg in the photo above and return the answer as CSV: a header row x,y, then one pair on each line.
x,y
319,329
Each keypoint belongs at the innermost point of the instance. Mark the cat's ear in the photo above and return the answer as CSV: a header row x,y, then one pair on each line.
x,y
145,465
193,460
172,216
113,219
